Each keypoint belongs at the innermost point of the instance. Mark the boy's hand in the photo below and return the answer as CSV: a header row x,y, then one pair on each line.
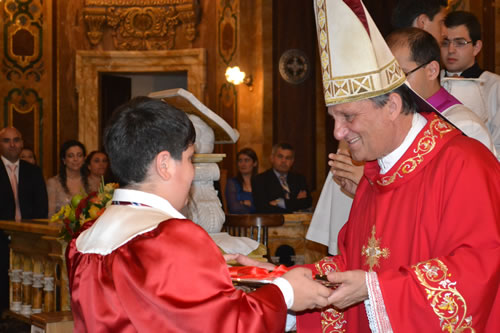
x,y
307,293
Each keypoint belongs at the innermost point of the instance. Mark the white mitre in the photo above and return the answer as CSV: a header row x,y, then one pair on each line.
x,y
356,62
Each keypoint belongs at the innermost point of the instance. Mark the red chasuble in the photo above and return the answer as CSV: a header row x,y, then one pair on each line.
x,y
430,228
172,278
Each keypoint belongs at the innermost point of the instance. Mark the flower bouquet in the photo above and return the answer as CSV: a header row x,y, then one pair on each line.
x,y
83,209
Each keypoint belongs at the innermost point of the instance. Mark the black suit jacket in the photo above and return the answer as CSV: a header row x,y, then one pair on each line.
x,y
31,190
33,201
266,187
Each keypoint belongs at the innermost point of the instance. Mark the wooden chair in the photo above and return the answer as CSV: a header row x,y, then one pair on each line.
x,y
254,226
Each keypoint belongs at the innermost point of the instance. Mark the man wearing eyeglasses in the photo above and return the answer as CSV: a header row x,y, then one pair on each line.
x,y
463,78
418,55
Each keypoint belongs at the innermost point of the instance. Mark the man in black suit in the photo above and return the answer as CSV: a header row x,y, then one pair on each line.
x,y
278,190
31,193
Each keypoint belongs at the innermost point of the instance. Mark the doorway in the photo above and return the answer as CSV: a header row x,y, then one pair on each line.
x,y
118,88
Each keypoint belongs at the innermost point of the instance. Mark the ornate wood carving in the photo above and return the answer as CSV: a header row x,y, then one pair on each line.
x,y
23,36
227,31
141,24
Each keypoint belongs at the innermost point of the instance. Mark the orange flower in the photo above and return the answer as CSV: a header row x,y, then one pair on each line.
x,y
93,211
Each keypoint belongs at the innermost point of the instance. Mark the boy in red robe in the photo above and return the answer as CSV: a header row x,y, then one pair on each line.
x,y
142,267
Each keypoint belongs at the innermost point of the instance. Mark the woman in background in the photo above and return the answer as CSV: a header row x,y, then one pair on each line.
x,y
96,166
28,155
239,189
71,180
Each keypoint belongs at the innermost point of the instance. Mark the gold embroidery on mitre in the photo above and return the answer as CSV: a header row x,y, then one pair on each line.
x,y
322,27
425,145
361,85
332,321
353,87
373,252
446,301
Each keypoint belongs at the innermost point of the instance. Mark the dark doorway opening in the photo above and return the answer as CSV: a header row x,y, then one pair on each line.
x,y
118,88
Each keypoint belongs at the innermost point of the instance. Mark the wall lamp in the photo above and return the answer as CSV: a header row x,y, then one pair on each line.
x,y
235,76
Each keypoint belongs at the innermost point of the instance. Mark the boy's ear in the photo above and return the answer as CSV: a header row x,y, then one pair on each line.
x,y
163,165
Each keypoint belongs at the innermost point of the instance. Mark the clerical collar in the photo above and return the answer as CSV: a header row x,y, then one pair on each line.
x,y
453,74
472,72
387,162
147,199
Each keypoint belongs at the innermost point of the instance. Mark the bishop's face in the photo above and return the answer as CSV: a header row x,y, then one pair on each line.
x,y
365,127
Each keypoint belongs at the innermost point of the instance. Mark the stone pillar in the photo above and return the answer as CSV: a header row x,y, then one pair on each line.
x,y
204,207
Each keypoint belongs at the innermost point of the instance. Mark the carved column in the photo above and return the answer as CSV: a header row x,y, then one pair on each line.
x,y
37,287
204,207
48,289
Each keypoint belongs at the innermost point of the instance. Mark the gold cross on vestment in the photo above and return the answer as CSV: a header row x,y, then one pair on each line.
x,y
373,252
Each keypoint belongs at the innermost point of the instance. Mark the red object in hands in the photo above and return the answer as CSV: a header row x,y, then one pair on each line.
x,y
252,272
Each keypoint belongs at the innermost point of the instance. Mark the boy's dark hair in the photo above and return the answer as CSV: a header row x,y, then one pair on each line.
x,y
460,17
423,46
139,130
406,11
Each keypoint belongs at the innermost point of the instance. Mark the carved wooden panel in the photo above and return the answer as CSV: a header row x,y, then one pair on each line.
x,y
141,24
26,73
227,55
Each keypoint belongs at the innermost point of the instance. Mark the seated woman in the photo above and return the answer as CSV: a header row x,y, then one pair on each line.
x,y
96,166
71,179
239,189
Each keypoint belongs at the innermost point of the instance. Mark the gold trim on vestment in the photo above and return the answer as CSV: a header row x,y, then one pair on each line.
x,y
446,301
425,145
332,321
326,265
373,252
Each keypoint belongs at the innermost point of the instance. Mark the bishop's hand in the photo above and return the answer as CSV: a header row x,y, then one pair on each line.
x,y
352,288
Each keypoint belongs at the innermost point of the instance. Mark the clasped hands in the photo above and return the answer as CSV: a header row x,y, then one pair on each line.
x,y
310,294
